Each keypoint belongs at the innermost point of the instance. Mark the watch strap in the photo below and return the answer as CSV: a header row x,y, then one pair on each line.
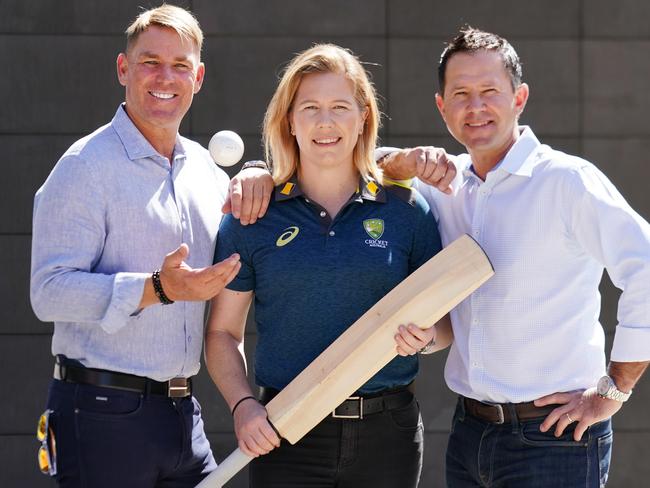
x,y
255,164
613,393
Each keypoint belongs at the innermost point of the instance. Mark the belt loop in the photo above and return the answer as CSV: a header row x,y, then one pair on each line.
x,y
58,360
461,408
514,418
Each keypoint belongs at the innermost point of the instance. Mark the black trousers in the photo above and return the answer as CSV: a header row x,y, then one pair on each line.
x,y
383,450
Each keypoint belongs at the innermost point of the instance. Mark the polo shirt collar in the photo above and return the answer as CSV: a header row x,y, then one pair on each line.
x,y
369,190
288,190
135,144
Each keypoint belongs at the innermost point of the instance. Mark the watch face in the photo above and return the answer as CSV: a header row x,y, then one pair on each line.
x,y
604,385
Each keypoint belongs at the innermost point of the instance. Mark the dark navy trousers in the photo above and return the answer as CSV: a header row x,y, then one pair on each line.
x,y
518,455
113,438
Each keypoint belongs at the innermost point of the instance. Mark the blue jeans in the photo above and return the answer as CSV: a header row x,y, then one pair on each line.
x,y
114,438
516,454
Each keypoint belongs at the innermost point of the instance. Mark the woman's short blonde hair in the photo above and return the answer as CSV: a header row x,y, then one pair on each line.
x,y
280,146
177,18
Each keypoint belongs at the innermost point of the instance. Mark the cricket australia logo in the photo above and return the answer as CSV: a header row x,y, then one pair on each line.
x,y
287,236
375,229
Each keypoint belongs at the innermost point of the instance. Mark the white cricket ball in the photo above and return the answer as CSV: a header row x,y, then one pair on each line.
x,y
226,148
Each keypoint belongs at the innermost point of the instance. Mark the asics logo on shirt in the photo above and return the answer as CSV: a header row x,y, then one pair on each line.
x,y
288,235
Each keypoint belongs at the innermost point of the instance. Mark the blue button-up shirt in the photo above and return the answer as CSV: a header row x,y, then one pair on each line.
x,y
105,218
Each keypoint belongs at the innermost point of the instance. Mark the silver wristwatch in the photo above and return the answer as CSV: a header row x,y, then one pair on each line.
x,y
607,389
255,164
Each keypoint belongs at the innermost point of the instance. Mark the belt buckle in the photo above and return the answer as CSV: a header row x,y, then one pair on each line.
x,y
359,416
499,408
178,388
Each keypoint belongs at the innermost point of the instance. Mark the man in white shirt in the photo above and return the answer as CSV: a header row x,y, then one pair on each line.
x,y
528,361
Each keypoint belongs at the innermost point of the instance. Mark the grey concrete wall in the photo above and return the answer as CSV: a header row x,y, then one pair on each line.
x,y
587,63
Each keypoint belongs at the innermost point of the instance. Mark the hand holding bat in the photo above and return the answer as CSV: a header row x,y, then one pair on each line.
x,y
253,430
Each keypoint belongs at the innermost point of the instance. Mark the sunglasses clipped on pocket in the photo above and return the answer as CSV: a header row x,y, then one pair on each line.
x,y
47,451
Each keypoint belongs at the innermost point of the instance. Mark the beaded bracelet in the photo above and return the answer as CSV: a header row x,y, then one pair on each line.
x,y
239,402
158,289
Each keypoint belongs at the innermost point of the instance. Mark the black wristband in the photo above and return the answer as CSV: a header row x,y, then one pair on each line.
x,y
249,397
158,289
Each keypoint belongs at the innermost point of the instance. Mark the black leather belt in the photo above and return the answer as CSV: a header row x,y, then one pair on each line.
x,y
357,407
71,372
499,413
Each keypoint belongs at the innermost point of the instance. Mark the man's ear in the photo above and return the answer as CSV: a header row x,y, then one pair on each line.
x,y
122,65
521,97
440,103
200,75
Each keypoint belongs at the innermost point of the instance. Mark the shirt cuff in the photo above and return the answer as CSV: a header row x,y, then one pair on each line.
x,y
631,344
127,294
381,152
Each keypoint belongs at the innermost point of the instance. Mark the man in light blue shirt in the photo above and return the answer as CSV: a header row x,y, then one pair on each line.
x,y
124,233
528,359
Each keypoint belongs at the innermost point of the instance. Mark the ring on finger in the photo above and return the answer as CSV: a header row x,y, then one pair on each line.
x,y
569,417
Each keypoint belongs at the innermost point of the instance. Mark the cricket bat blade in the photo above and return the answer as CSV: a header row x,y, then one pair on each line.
x,y
423,298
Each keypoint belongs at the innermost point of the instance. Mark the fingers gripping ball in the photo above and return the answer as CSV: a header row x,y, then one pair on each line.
x,y
226,148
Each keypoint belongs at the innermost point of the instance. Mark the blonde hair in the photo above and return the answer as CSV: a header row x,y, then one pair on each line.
x,y
177,18
280,146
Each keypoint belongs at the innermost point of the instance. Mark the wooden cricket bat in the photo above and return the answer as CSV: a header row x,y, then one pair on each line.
x,y
368,345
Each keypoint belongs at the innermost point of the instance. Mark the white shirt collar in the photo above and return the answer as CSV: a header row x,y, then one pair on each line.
x,y
520,159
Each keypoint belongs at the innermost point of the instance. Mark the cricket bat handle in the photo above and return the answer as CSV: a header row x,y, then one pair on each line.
x,y
228,468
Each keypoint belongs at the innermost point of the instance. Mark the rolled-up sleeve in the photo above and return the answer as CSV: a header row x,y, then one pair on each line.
x,y
619,238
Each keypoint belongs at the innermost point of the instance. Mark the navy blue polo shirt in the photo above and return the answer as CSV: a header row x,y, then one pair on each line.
x,y
313,275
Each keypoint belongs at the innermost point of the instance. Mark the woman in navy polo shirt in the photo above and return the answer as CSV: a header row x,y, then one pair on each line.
x,y
334,241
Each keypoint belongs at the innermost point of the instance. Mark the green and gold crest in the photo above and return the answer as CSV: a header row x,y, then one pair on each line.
x,y
374,227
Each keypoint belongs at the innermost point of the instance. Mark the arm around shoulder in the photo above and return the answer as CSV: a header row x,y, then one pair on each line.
x,y
249,192
432,165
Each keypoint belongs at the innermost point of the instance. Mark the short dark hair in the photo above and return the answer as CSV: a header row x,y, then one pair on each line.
x,y
471,40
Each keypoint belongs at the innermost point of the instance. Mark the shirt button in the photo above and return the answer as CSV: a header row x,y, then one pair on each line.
x,y
474,364
323,213
189,338
332,233
475,321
